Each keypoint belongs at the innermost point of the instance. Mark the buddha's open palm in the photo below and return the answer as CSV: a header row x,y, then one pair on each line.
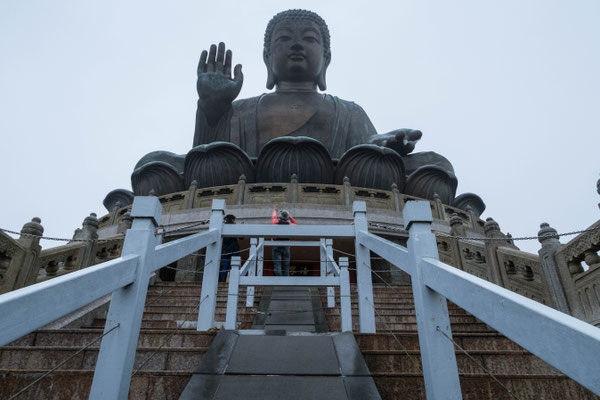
x,y
215,84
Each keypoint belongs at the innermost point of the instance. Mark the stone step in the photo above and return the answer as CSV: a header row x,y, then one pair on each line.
x,y
76,384
166,338
193,315
168,385
190,324
514,362
46,357
410,341
481,386
334,325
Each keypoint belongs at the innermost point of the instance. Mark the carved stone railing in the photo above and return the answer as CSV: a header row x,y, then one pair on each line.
x,y
579,264
18,257
293,192
61,260
523,274
71,257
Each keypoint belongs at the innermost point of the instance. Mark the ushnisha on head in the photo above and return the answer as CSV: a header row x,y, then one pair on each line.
x,y
297,48
284,215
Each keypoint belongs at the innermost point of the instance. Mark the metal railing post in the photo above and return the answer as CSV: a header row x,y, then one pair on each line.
x,y
232,293
323,257
345,303
117,351
210,277
437,352
366,313
251,272
260,257
330,290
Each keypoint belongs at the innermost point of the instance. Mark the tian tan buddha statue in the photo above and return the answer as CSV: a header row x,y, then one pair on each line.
x,y
295,129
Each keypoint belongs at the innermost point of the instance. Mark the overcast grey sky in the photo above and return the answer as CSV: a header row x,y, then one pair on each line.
x,y
508,91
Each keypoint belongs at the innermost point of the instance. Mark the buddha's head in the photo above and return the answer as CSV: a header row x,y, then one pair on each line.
x,y
297,48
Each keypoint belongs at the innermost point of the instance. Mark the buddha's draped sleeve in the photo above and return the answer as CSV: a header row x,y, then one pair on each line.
x,y
237,125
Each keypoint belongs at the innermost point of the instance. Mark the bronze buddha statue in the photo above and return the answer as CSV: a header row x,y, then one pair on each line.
x,y
295,129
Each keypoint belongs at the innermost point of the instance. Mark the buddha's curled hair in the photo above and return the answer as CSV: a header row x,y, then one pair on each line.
x,y
298,15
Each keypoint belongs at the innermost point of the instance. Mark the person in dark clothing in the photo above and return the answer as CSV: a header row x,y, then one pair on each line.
x,y
281,254
229,248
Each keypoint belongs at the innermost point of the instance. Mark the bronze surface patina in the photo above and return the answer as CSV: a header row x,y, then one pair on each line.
x,y
297,54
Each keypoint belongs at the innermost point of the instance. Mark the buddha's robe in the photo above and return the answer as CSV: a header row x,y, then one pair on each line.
x,y
338,124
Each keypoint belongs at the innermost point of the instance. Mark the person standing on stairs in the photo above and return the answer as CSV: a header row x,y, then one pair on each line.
x,y
230,248
281,254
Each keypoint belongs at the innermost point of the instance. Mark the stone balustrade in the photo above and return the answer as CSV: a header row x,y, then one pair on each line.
x,y
293,192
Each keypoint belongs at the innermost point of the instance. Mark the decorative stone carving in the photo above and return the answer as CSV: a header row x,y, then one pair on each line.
x,y
118,198
425,181
305,157
217,164
465,200
159,176
371,166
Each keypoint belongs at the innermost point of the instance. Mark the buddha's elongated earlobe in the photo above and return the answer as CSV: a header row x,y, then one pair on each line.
x,y
270,76
321,79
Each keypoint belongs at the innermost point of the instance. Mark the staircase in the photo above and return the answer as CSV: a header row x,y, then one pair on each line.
x,y
170,348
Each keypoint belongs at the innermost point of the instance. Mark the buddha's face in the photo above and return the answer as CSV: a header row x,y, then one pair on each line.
x,y
297,53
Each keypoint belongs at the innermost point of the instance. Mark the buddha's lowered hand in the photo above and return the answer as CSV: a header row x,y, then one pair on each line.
x,y
401,140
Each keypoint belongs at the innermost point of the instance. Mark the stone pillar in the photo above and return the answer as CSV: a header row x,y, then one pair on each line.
x,y
492,230
293,193
191,195
29,268
114,213
241,190
88,231
557,279
347,192
397,201
125,223
439,206
474,218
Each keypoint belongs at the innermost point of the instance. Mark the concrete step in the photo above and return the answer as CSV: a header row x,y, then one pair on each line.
x,y
188,338
171,324
483,387
168,385
334,324
76,384
512,362
46,357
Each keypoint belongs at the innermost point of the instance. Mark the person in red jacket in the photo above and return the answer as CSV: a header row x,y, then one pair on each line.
x,y
281,254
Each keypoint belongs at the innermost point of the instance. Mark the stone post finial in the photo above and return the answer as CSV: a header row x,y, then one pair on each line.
x,y
242,178
491,227
33,228
456,226
547,234
195,183
89,226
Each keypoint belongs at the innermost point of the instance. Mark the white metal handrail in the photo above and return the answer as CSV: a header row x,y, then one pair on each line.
x,y
25,310
568,344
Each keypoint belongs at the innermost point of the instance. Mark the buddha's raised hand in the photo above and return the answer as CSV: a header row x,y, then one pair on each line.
x,y
216,88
